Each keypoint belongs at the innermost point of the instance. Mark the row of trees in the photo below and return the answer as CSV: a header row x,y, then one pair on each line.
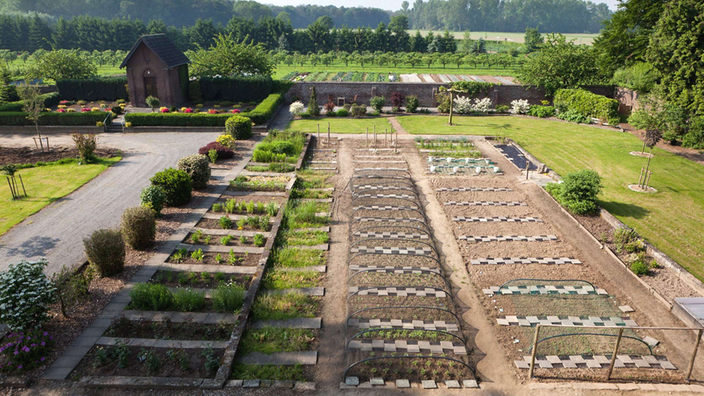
x,y
412,59
569,16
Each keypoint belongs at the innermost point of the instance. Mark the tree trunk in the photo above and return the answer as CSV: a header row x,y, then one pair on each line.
x,y
451,107
36,126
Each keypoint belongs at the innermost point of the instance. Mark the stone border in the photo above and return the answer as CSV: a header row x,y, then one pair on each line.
x,y
380,383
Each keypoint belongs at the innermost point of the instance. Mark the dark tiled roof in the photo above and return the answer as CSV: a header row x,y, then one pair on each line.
x,y
163,47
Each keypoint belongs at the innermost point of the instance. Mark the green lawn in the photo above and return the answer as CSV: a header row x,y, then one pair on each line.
x,y
45,184
283,69
670,219
340,125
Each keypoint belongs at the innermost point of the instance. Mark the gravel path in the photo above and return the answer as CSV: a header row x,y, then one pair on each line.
x,y
57,231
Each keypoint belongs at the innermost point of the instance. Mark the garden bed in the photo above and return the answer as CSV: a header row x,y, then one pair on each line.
x,y
200,280
412,368
214,224
259,183
238,259
124,328
226,240
34,156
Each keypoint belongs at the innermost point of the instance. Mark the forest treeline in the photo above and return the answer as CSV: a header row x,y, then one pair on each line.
x,y
565,16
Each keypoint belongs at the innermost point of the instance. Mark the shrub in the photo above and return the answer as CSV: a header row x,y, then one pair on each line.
x,y
236,88
462,105
329,107
25,295
640,77
578,191
153,102
573,116
640,268
198,168
342,113
266,108
117,110
97,88
520,106
377,103
26,350
225,223
358,110
482,105
85,144
138,227
228,297
283,147
411,103
105,250
188,300
227,141
151,297
541,111
258,240
239,127
695,137
588,104
154,198
502,109
313,108
296,108
397,99
176,184
89,118
195,94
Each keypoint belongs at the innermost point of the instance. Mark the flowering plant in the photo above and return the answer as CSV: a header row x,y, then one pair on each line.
x,y
164,110
70,110
482,106
187,110
95,109
25,295
463,105
235,111
520,106
64,103
25,350
296,108
85,110
62,106
212,111
61,110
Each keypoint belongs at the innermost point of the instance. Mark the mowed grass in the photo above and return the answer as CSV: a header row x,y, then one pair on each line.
x,y
435,68
670,219
340,125
44,185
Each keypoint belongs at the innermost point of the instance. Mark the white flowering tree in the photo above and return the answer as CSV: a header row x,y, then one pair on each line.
x,y
463,105
296,108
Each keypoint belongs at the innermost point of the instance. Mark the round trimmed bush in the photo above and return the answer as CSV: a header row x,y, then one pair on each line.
x,y
239,127
343,113
154,198
25,295
138,227
283,147
227,141
176,184
223,152
198,168
105,250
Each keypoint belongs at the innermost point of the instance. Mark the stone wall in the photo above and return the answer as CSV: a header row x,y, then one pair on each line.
x,y
627,100
362,92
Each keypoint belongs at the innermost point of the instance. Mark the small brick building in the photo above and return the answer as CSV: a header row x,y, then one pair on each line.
x,y
156,67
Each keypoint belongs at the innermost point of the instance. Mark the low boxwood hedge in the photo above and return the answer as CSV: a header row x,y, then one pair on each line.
x,y
259,115
89,118
50,99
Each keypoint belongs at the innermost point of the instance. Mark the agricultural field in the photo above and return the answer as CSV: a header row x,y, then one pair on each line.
x,y
338,70
518,37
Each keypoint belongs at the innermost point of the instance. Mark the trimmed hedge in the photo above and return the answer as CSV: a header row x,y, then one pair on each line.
x,y
176,184
236,89
239,127
259,115
89,118
586,103
50,99
108,88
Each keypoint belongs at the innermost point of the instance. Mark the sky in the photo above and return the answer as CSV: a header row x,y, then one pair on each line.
x,y
385,4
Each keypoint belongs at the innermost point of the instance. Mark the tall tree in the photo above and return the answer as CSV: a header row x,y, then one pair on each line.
x,y
533,40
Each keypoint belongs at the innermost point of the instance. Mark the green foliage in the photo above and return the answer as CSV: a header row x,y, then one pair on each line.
x,y
195,93
188,300
175,119
358,110
97,88
25,295
561,64
236,88
541,111
533,40
61,64
284,306
258,240
471,88
313,108
676,50
377,103
411,103
269,372
655,113
640,268
578,191
586,103
176,184
228,297
230,57
154,198
342,113
49,99
105,250
73,119
213,156
239,127
151,297
197,166
640,77
86,145
152,102
695,137
138,226
225,223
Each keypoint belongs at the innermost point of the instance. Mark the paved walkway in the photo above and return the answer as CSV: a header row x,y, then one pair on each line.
x,y
57,231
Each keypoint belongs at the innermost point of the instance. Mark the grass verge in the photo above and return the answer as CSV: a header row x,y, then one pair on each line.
x,y
276,339
340,125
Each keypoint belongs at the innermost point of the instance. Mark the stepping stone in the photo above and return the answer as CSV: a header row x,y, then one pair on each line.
x,y
626,309
651,341
470,383
429,384
452,384
403,383
352,381
521,364
667,365
377,381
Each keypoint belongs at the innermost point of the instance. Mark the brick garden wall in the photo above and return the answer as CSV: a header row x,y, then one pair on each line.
x,y
362,92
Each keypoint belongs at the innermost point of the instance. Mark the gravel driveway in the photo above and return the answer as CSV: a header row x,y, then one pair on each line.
x,y
57,231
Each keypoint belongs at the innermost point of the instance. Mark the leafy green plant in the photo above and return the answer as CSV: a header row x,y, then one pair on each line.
x,y
640,268
100,358
213,155
188,300
195,237
25,295
122,353
228,297
226,240
218,258
217,207
151,360
239,127
578,191
198,255
225,223
151,297
211,363
179,255
176,184
258,240
105,250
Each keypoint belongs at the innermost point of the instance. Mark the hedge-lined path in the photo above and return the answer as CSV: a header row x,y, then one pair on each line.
x,y
57,231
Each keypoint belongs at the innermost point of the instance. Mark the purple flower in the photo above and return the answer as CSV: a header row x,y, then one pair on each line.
x,y
16,352
42,359
46,333
43,343
33,345
19,367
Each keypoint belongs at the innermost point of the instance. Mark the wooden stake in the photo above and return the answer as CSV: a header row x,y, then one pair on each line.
x,y
534,351
694,354
329,132
613,357
20,176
